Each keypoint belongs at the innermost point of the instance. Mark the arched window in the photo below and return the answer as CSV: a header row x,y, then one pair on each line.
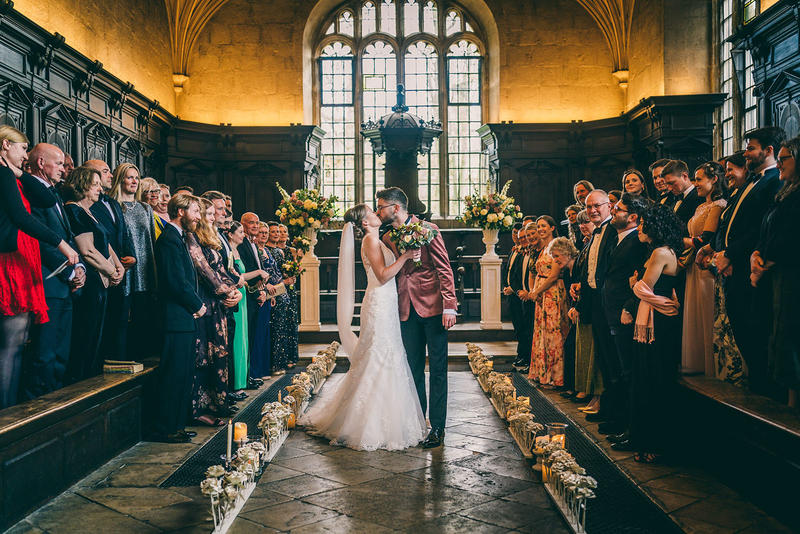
x,y
366,49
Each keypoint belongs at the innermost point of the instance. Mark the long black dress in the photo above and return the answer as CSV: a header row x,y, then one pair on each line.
x,y
654,376
283,324
89,307
780,244
209,394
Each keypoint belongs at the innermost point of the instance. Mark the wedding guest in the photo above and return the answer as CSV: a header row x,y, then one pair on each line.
x,y
163,201
282,324
22,297
47,357
778,253
748,313
657,336
241,342
218,293
589,291
633,182
573,229
550,325
150,194
664,195
581,190
614,196
139,284
290,254
735,172
261,354
185,189
109,214
564,254
528,254
625,259
181,306
249,257
697,355
69,165
513,284
588,382
103,269
676,176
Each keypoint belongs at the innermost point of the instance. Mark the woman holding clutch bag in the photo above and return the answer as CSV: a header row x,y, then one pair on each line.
x,y
103,268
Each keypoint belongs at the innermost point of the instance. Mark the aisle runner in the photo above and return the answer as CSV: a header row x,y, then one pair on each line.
x,y
620,505
193,470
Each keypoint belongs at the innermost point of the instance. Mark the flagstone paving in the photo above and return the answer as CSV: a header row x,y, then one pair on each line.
x,y
477,483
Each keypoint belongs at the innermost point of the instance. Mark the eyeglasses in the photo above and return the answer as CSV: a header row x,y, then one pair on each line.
x,y
379,208
152,192
596,206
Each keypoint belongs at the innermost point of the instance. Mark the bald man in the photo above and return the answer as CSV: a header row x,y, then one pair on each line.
x,y
113,345
46,362
249,256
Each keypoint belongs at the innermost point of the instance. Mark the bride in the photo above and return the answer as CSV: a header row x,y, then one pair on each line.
x,y
375,406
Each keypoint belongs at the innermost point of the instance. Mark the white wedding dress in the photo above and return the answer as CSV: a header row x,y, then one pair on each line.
x,y
375,405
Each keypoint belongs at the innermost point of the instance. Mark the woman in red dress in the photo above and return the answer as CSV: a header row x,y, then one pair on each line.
x,y
21,290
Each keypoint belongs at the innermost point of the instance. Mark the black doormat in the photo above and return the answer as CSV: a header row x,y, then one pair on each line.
x,y
620,506
193,470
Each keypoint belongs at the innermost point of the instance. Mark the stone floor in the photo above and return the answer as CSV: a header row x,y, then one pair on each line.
x,y
693,498
477,483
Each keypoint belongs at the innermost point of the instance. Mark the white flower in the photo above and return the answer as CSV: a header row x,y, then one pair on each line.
x,y
407,238
491,218
508,220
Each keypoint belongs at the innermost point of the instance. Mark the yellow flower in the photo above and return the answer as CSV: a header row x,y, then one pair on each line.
x,y
484,212
307,204
278,213
491,218
316,224
508,221
311,219
331,212
407,238
313,205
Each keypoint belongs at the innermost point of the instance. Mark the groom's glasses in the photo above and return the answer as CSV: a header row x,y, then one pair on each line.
x,y
379,208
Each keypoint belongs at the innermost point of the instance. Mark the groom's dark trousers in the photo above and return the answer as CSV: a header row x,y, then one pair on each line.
x,y
419,332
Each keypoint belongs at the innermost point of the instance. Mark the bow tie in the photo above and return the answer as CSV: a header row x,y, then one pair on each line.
x,y
597,230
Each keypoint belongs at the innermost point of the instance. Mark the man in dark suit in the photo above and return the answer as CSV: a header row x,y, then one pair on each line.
x,y
626,258
511,290
113,344
48,354
589,292
748,308
664,196
181,307
249,256
676,175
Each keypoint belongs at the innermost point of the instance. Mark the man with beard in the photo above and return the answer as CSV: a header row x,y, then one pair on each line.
x,y
626,258
181,306
748,308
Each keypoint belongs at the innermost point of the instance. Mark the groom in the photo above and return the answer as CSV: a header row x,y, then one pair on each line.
x,y
427,300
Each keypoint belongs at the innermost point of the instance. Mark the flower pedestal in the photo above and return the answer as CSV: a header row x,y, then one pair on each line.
x,y
309,287
490,283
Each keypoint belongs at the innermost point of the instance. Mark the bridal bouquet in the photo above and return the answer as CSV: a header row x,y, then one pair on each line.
x,y
292,269
412,236
492,211
302,243
305,208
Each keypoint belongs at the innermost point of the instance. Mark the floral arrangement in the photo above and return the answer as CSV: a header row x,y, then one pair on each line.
x,y
412,236
523,427
292,268
301,243
492,211
305,208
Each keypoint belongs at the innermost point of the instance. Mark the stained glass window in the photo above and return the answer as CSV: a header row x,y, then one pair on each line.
x,y
357,79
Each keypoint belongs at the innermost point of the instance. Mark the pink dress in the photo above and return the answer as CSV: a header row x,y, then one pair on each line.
x,y
697,354
550,326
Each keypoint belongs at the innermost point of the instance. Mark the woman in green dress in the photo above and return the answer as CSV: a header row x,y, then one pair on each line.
x,y
241,353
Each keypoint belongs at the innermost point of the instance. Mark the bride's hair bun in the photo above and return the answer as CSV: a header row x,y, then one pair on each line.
x,y
355,215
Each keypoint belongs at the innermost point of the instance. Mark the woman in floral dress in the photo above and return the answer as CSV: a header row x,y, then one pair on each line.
x,y
550,325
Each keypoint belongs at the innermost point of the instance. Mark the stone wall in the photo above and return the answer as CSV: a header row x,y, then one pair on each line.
x,y
687,47
130,39
246,68
646,52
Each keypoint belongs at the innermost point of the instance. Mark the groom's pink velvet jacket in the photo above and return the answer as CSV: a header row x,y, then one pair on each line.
x,y
430,287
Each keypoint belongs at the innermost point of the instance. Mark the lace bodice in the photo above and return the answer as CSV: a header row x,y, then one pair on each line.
x,y
388,259
698,220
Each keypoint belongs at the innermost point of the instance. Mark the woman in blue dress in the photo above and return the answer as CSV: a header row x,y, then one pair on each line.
x,y
260,356
283,327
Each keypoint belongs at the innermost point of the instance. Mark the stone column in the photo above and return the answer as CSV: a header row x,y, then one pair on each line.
x,y
309,287
490,283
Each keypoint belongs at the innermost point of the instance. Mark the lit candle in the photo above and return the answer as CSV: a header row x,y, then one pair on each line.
x,y
560,438
230,441
490,364
239,431
515,394
279,396
292,421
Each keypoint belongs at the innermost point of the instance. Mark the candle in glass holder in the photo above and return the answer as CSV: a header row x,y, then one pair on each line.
x,y
490,364
557,433
239,431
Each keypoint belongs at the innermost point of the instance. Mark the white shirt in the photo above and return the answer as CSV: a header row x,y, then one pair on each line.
x,y
680,200
594,252
768,167
623,234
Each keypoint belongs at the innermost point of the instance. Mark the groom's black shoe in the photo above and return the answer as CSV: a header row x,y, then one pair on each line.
x,y
435,439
